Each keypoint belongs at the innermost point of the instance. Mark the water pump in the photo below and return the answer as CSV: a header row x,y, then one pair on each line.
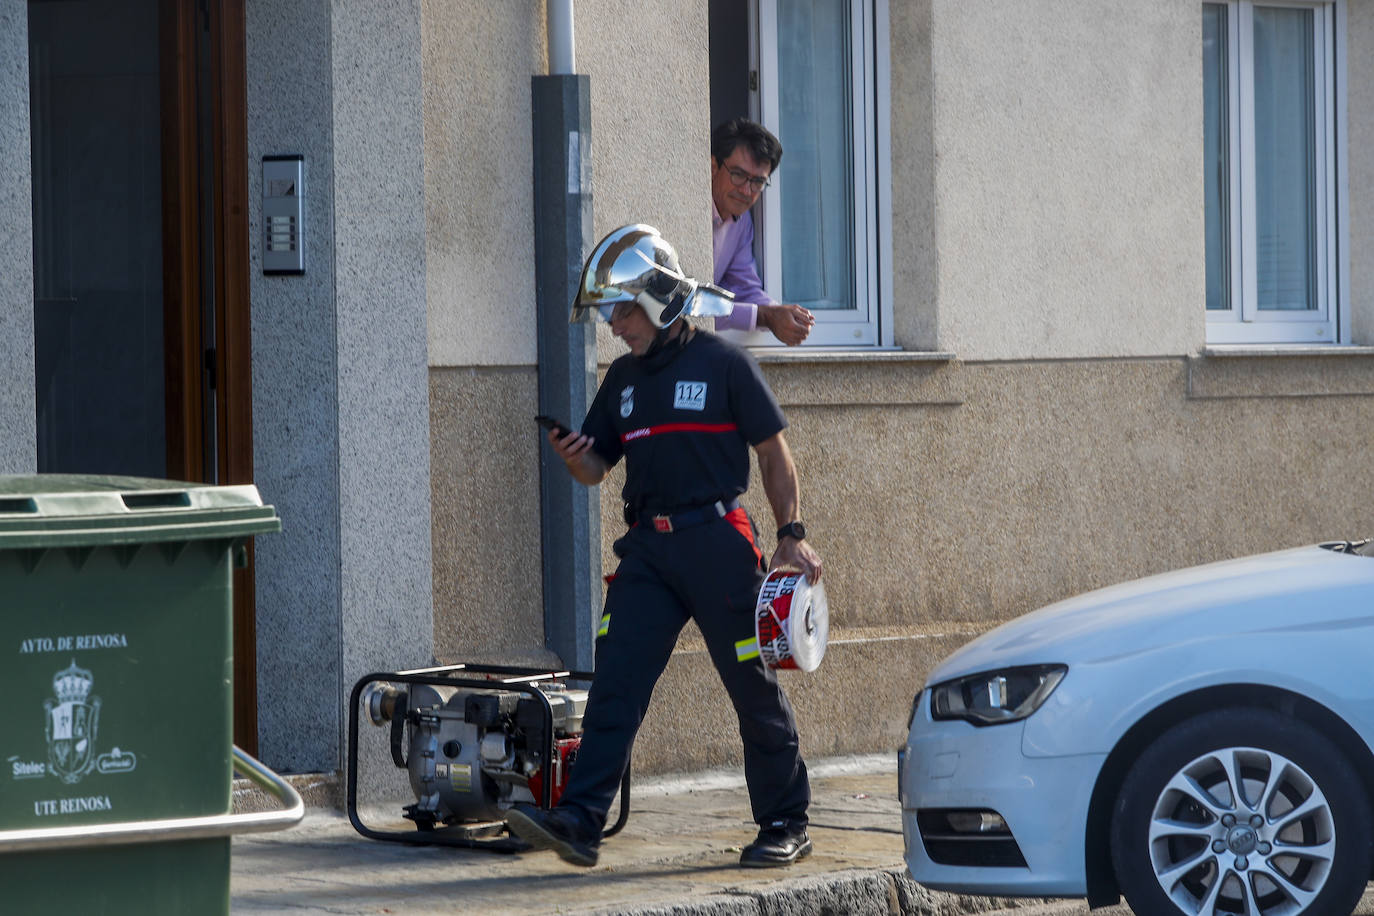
x,y
474,740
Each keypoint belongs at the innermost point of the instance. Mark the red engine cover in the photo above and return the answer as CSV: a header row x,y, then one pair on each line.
x,y
564,751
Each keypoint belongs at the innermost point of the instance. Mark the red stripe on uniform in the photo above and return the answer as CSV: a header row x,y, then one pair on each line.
x,y
646,431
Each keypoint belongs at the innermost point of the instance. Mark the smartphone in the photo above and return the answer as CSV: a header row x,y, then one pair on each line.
x,y
551,423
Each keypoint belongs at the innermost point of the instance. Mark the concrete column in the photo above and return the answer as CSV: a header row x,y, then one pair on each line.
x,y
383,366
18,433
340,399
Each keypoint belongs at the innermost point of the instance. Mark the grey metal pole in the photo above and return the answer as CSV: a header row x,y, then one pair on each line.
x,y
558,16
571,513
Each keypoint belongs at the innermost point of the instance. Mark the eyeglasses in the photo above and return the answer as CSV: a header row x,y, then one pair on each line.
x,y
739,178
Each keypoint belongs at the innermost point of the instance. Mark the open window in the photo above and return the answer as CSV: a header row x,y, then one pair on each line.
x,y
811,71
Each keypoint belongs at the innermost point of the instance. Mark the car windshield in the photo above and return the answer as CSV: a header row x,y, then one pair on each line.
x,y
1364,548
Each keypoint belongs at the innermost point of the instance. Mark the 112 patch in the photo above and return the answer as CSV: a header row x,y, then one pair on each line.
x,y
689,395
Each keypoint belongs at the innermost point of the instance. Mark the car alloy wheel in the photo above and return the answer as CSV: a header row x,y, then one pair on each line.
x,y
1242,811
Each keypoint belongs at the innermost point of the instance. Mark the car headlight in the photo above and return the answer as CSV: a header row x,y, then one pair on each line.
x,y
995,697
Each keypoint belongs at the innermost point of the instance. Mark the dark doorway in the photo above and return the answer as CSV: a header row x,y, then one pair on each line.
x,y
97,211
140,253
732,78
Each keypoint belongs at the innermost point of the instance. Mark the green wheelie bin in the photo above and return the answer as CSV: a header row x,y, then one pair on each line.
x,y
117,750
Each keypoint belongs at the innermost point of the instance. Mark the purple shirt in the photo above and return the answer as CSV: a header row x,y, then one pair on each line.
x,y
732,249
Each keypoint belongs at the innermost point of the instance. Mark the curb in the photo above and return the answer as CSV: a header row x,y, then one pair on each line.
x,y
852,893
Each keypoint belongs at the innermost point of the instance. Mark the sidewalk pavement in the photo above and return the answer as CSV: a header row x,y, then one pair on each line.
x,y
677,856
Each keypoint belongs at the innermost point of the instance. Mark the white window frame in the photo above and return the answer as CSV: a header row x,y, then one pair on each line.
x,y
1244,322
871,79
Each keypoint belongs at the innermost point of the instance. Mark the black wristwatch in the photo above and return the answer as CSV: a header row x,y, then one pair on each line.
x,y
792,530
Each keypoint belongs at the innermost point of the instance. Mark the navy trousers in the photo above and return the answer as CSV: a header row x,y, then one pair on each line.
x,y
709,573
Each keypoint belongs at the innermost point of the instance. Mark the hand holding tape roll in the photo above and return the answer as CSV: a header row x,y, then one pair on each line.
x,y
791,621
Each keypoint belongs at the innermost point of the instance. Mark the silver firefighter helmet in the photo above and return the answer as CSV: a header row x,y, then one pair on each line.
x,y
636,264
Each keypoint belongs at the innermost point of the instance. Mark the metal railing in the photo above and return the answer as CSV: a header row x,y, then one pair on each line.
x,y
37,839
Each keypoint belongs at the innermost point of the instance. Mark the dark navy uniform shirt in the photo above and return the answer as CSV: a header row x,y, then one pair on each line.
x,y
684,427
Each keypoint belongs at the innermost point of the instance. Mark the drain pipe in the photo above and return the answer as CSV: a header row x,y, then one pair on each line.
x,y
570,512
559,29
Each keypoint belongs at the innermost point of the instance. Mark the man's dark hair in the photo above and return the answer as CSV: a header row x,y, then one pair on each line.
x,y
752,136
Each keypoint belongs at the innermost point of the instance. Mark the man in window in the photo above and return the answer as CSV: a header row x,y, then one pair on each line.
x,y
743,156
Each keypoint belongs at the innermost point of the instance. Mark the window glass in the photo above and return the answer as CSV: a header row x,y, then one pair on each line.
x,y
1285,160
1271,124
99,355
1216,154
815,125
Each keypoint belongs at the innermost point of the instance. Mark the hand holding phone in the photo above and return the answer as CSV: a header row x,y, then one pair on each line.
x,y
551,423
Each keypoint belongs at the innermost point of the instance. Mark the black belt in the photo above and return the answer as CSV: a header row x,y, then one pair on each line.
x,y
676,521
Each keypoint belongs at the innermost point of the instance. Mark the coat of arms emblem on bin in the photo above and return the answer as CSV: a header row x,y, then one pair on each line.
x,y
71,722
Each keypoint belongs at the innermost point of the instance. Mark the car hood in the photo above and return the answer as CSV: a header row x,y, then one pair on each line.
x,y
1300,589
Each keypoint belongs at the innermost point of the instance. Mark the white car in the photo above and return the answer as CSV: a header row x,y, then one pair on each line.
x,y
1199,742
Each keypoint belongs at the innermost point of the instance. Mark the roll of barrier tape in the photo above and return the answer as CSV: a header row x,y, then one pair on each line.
x,y
792,621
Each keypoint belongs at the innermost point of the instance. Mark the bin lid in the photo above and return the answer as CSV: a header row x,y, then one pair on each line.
x,y
70,510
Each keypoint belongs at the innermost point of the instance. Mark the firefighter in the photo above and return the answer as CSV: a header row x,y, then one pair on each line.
x,y
682,408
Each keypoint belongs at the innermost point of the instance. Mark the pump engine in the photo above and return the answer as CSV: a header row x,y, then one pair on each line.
x,y
471,754
474,740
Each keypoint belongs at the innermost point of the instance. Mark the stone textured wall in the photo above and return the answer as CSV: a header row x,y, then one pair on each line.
x,y
379,300
1046,168
1359,148
916,258
650,155
18,433
340,381
1064,143
295,392
945,498
478,166
488,596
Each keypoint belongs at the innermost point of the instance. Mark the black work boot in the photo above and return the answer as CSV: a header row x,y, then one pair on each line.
x,y
553,829
777,844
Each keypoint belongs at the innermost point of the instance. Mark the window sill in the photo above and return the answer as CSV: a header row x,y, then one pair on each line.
x,y
1280,371
805,354
1289,350
861,377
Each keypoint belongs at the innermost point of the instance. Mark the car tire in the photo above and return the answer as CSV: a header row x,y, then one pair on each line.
x,y
1295,840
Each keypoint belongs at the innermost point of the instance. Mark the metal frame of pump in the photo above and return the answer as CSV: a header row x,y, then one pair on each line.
x,y
496,677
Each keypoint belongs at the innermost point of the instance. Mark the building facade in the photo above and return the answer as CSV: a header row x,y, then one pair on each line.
x,y
1089,276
